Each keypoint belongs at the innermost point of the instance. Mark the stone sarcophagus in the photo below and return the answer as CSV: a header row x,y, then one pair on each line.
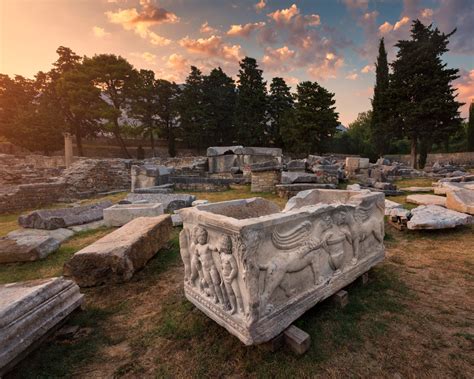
x,y
255,269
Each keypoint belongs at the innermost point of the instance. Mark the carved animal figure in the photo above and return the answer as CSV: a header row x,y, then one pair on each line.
x,y
288,262
363,226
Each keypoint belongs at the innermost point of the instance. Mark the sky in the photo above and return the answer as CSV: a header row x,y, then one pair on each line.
x,y
333,42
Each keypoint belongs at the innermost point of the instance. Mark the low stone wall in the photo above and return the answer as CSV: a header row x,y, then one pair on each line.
x,y
265,181
466,158
186,183
30,196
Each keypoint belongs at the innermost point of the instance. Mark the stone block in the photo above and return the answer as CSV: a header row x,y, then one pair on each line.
x,y
28,311
199,202
117,256
120,214
290,177
60,235
416,189
89,226
25,248
63,217
364,163
255,269
426,200
461,201
389,205
170,202
296,165
341,299
436,217
297,340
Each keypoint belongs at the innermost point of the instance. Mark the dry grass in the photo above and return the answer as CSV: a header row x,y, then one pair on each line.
x,y
414,318
238,192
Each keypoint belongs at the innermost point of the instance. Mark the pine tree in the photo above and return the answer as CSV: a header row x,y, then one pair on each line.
x,y
219,105
167,112
280,102
143,98
470,128
314,120
424,105
191,109
380,133
250,113
113,75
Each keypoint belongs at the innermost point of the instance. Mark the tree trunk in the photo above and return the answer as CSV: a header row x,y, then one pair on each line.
x,y
80,150
414,152
152,143
120,141
171,142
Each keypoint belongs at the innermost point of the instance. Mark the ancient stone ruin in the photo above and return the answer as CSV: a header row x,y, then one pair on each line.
x,y
255,269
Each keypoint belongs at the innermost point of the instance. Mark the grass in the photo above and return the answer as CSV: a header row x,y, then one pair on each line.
x,y
238,192
411,319
411,182
52,265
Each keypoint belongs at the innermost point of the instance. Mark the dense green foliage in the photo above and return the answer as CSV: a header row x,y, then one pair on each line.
x,y
424,108
413,108
380,131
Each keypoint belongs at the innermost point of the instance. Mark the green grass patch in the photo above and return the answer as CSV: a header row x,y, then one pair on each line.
x,y
52,265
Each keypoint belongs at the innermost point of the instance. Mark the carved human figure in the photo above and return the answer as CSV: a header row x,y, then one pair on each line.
x,y
196,272
229,275
334,239
209,270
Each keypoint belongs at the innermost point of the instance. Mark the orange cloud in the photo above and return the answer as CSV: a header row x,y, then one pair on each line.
x,y
327,69
260,5
244,30
465,86
276,59
405,20
367,69
352,75
99,32
213,47
207,29
141,20
177,62
146,56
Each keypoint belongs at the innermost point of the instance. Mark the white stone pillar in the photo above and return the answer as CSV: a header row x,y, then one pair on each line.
x,y
68,152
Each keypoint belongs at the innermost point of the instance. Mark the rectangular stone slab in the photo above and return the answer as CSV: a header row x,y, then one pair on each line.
x,y
117,256
427,200
461,201
63,217
28,311
26,248
120,214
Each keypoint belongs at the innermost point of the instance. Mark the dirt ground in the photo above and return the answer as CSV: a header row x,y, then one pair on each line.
x,y
414,319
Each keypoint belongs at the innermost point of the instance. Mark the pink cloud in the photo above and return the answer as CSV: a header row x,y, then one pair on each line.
x,y
356,4
465,86
207,29
327,69
99,32
260,5
367,69
277,59
352,75
213,47
244,30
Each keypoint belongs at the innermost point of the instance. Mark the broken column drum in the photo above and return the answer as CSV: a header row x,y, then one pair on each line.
x,y
255,269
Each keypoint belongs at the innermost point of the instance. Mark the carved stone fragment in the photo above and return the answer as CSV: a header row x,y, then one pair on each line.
x,y
255,269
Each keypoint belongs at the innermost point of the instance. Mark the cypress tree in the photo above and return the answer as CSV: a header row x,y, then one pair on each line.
x,y
380,106
424,105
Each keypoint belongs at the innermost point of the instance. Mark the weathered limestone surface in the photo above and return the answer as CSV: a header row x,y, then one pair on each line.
x,y
63,217
89,226
461,201
171,202
120,214
254,269
443,188
28,310
287,191
149,176
115,257
436,217
290,177
24,248
389,205
427,200
60,235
